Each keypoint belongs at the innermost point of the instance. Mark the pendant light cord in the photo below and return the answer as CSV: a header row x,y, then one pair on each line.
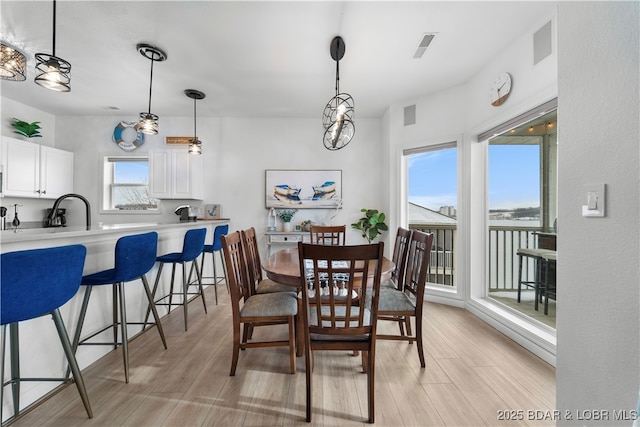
x,y
195,133
54,28
151,82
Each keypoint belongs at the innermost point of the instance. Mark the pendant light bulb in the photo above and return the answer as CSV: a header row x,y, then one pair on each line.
x,y
149,122
195,145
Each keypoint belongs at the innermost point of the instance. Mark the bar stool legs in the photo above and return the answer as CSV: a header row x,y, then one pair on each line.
x,y
215,278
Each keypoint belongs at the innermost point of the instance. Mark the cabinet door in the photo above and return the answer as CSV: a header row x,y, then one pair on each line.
x,y
56,172
160,174
181,170
21,168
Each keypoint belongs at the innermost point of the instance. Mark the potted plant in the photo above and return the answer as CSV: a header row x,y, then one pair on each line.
x,y
371,224
30,130
285,216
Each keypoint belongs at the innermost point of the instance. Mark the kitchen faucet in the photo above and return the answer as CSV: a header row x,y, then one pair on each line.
x,y
54,209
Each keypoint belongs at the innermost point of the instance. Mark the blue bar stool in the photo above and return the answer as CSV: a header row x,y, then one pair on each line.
x,y
218,232
34,283
192,247
135,256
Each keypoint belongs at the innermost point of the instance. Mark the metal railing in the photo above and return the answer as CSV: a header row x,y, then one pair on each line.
x,y
442,261
504,243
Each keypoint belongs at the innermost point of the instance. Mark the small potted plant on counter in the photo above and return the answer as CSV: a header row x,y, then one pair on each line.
x,y
371,224
285,216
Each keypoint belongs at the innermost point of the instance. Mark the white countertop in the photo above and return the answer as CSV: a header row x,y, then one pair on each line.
x,y
31,234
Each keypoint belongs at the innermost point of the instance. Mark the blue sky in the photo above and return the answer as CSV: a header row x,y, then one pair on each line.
x,y
132,172
514,177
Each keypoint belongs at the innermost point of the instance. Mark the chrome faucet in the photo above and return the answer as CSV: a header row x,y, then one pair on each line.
x,y
54,209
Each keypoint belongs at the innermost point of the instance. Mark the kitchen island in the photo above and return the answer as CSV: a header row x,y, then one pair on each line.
x,y
40,351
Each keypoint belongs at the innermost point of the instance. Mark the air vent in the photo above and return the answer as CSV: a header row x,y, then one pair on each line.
x,y
424,44
542,43
410,115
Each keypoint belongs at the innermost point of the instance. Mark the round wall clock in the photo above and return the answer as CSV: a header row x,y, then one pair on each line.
x,y
127,136
500,89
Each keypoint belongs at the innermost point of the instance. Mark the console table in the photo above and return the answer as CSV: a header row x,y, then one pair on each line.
x,y
285,238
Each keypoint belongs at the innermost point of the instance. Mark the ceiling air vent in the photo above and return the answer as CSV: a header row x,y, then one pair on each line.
x,y
424,44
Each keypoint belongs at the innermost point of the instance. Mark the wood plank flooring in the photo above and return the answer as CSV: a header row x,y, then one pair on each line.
x,y
473,374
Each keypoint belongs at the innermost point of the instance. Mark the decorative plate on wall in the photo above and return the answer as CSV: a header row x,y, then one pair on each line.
x,y
127,136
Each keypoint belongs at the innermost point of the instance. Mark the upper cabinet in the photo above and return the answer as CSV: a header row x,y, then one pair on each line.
x,y
34,170
175,174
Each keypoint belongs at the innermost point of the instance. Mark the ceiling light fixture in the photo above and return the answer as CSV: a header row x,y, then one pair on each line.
x,y
195,145
337,117
149,122
53,72
13,63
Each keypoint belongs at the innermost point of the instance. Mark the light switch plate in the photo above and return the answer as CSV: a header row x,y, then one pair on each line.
x,y
594,200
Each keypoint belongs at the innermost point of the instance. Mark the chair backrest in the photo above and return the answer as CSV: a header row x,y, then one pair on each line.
x,y
329,235
333,291
193,244
236,266
400,251
135,256
218,232
251,253
418,265
36,282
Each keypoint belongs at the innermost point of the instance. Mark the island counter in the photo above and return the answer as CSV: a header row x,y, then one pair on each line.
x,y
40,351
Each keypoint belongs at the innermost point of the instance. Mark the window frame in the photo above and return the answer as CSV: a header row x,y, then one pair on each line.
x,y
109,186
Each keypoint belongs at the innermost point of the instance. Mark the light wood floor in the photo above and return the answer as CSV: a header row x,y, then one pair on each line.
x,y
473,373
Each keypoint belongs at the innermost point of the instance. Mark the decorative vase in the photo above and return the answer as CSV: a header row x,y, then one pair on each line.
x,y
286,226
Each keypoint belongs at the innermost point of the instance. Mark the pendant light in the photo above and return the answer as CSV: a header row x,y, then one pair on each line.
x,y
13,63
149,122
195,145
337,117
53,72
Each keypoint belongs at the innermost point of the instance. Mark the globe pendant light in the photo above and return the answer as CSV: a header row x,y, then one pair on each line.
x,y
149,122
195,145
52,71
13,63
337,117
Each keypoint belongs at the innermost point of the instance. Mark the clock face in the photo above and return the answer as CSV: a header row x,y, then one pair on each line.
x,y
500,89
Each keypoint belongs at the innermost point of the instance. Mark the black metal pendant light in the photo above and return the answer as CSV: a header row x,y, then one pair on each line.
x,y
337,117
53,72
195,145
13,63
149,122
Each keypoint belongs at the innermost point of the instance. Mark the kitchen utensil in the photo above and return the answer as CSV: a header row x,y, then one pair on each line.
x,y
16,221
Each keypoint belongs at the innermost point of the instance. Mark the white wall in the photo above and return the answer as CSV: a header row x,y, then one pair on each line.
x,y
598,321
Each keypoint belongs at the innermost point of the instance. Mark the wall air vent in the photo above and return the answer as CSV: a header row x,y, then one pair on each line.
x,y
542,43
410,115
426,40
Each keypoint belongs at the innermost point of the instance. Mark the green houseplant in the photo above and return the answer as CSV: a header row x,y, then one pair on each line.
x,y
371,224
30,130
285,216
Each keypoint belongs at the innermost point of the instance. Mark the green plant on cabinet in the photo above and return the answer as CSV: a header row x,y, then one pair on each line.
x,y
30,130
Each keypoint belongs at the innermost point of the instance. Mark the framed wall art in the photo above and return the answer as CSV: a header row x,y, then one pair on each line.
x,y
303,189
212,212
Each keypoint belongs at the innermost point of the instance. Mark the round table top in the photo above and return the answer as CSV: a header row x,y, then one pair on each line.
x,y
284,267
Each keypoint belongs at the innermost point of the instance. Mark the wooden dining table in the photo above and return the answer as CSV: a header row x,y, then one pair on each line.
x,y
284,267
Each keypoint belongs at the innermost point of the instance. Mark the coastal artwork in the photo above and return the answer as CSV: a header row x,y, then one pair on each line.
x,y
303,189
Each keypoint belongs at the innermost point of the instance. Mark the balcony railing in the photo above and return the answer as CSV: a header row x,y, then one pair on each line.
x,y
504,243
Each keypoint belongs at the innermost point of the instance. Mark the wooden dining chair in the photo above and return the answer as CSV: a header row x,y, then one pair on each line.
x,y
257,283
337,318
255,310
331,235
401,305
400,252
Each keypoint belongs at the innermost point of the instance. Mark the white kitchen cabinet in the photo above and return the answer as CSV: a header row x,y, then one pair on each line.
x,y
175,174
35,171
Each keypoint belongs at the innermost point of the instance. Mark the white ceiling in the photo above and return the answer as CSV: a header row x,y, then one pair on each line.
x,y
256,58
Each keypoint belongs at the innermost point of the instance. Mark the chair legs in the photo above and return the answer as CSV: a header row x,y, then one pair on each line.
x,y
119,306
15,365
215,272
186,282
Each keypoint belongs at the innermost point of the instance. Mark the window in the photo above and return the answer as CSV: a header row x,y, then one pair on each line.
x,y
126,185
432,196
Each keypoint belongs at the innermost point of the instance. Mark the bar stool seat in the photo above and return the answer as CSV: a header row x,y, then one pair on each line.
x,y
135,256
192,248
216,246
34,283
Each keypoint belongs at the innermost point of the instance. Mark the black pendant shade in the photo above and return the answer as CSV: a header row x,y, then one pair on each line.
x,y
53,72
149,122
337,117
195,145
